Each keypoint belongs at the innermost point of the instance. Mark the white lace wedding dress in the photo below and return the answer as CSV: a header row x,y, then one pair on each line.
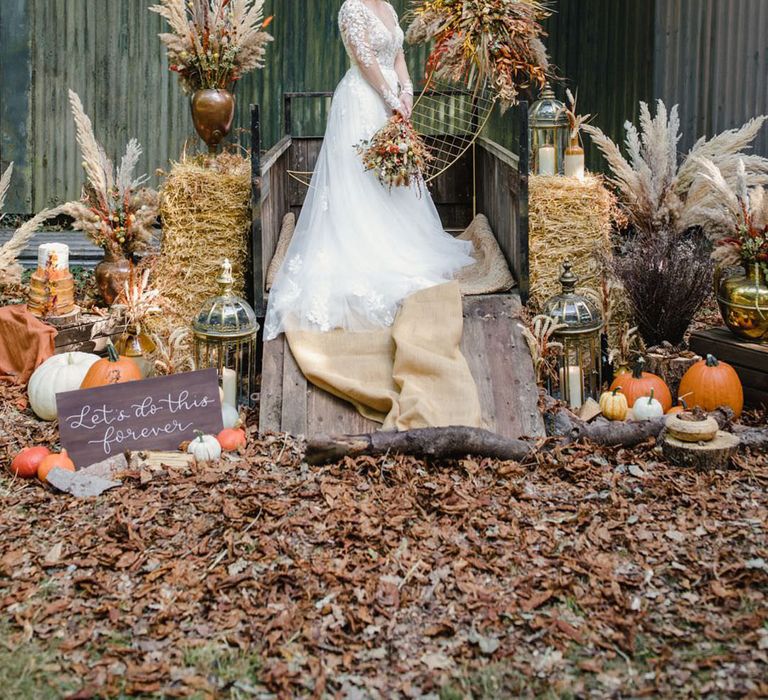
x,y
358,248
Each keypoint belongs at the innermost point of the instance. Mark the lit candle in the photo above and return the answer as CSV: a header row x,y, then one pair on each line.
x,y
574,386
546,160
229,385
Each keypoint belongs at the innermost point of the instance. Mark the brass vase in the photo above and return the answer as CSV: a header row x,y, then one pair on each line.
x,y
212,114
111,275
138,346
743,301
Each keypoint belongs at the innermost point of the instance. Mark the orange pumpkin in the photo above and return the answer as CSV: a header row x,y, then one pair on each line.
x,y
637,384
231,439
682,405
113,369
712,384
25,463
62,461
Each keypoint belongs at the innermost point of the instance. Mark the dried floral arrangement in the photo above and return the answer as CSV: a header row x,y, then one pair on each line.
x,y
658,193
138,301
740,213
479,42
396,153
544,351
575,120
665,267
214,43
116,211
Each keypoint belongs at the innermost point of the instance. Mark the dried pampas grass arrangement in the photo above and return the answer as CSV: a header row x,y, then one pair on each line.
x,y
205,206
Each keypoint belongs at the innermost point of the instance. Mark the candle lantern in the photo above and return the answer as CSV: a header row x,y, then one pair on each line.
x,y
580,369
548,134
225,331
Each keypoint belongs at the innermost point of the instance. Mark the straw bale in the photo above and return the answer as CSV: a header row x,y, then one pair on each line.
x,y
569,220
206,213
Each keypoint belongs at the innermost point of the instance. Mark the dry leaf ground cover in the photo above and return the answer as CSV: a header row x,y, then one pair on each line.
x,y
588,573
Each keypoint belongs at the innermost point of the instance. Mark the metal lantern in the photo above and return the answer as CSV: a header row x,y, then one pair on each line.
x,y
580,367
549,130
225,338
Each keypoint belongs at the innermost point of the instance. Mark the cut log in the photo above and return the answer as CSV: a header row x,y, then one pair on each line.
x,y
439,443
715,454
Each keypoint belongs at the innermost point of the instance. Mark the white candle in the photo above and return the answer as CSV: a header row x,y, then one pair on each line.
x,y
229,385
574,165
574,386
546,160
60,250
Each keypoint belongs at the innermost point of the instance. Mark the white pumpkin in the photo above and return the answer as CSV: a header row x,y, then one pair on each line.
x,y
230,416
59,373
205,448
647,408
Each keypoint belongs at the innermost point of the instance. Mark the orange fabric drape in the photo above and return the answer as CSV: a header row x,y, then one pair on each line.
x,y
25,343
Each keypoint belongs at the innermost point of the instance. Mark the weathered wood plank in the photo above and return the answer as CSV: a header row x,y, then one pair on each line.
x,y
294,409
474,350
271,403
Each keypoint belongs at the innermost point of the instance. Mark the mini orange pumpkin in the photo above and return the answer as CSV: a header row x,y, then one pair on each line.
x,y
231,439
113,369
712,384
637,384
62,461
25,463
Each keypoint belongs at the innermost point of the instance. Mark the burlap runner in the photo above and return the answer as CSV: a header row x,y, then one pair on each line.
x,y
411,375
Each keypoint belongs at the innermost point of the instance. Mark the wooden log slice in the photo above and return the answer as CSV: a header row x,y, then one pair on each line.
x,y
715,454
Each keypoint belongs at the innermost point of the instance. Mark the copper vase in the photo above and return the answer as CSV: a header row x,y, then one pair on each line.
x,y
137,345
111,275
212,114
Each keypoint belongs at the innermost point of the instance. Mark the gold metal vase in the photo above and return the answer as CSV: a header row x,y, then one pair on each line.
x,y
743,301
139,346
212,114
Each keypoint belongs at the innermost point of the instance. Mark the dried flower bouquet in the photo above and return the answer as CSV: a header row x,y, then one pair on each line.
x,y
214,43
483,41
116,212
396,153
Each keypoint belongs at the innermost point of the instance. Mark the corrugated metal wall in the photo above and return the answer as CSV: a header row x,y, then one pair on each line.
x,y
711,56
712,59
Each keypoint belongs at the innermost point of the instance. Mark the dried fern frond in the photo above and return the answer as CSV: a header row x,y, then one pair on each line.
x,y
5,183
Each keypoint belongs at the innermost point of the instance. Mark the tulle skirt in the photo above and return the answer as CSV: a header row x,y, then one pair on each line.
x,y
358,248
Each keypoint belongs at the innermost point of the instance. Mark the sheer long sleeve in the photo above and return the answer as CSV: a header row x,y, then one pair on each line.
x,y
403,76
353,23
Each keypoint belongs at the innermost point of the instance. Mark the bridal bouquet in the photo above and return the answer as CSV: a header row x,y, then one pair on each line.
x,y
396,153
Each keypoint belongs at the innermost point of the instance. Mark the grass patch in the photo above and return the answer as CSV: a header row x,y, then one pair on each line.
x,y
30,670
225,667
499,681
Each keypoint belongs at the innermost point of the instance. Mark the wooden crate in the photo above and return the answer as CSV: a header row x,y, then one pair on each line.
x,y
88,333
750,360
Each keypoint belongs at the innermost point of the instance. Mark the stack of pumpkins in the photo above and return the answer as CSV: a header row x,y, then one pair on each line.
x,y
80,370
708,384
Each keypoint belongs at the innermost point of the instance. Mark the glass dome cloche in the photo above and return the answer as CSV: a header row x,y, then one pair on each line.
x,y
548,134
225,331
580,366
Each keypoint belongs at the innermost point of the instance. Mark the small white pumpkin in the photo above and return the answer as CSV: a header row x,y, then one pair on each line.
x,y
205,448
230,416
59,373
647,408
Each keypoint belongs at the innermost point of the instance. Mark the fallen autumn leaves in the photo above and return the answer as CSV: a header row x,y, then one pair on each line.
x,y
590,571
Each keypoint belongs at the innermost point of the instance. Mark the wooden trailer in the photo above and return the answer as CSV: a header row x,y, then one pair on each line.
x,y
487,179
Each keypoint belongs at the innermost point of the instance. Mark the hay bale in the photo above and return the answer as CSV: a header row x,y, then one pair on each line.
x,y
569,220
206,212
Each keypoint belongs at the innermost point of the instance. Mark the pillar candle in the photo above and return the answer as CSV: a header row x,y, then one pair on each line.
x,y
546,160
229,386
574,386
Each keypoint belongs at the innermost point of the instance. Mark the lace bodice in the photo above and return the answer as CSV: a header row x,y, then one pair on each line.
x,y
366,37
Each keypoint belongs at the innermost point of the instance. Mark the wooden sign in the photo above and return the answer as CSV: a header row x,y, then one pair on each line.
x,y
152,414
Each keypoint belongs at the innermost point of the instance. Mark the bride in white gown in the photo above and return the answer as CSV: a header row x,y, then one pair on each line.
x,y
359,249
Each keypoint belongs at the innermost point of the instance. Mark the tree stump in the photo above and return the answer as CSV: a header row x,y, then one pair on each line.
x,y
715,454
670,364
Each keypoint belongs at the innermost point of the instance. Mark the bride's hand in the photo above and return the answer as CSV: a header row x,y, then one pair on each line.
x,y
406,105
